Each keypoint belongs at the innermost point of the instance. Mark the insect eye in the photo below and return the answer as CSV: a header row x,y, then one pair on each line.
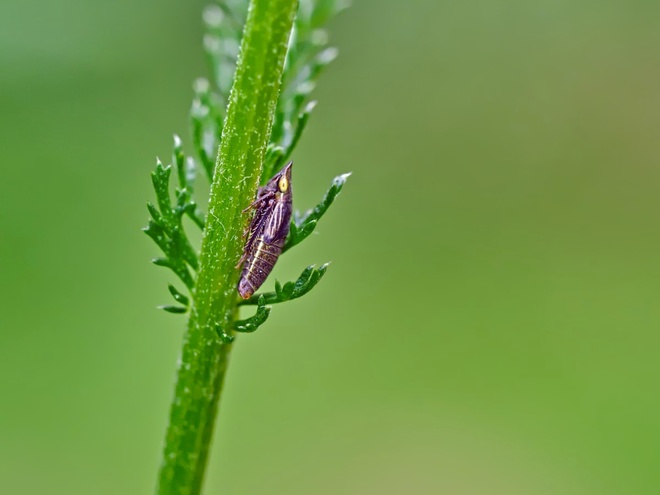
x,y
283,184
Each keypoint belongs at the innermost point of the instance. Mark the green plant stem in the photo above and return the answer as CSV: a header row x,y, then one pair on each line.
x,y
245,136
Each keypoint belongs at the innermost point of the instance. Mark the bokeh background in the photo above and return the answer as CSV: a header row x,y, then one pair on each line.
x,y
490,321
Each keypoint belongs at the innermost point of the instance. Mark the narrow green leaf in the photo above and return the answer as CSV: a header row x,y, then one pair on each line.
x,y
305,230
333,192
179,270
224,337
203,130
249,325
307,280
160,178
287,291
293,230
178,296
306,224
155,214
179,159
195,214
184,274
174,309
303,287
190,172
181,248
304,277
158,235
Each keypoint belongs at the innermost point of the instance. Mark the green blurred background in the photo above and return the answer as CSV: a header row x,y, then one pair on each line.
x,y
490,321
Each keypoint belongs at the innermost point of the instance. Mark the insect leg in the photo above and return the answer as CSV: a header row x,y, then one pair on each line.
x,y
262,196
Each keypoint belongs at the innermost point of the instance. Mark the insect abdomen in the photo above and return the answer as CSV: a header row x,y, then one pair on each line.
x,y
258,265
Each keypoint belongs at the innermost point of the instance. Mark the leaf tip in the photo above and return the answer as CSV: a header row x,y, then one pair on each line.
x,y
213,16
173,309
201,85
328,55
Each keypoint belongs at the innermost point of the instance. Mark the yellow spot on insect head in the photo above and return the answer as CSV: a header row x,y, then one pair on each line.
x,y
283,184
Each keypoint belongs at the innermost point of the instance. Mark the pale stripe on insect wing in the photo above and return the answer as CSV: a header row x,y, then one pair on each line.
x,y
274,223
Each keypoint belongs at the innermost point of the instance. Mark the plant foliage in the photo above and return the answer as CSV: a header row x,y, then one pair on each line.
x,y
307,55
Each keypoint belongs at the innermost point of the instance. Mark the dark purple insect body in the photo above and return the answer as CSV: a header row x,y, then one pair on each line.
x,y
267,231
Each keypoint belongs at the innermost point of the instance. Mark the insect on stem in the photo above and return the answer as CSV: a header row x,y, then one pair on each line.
x,y
267,231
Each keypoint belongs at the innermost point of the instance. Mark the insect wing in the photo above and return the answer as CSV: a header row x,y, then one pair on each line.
x,y
277,225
